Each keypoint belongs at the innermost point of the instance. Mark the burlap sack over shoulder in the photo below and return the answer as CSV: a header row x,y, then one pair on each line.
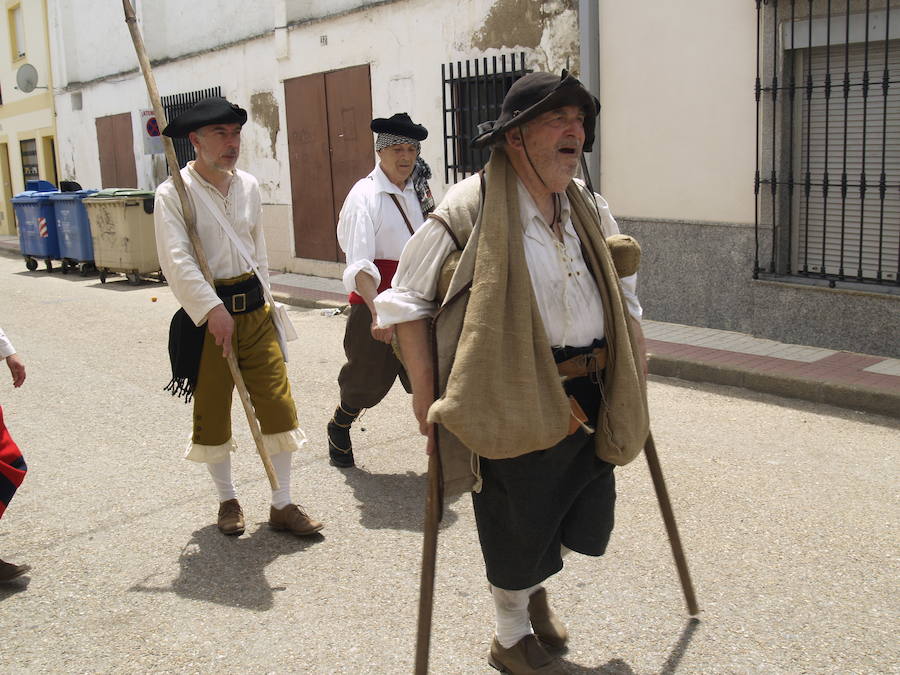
x,y
501,393
494,401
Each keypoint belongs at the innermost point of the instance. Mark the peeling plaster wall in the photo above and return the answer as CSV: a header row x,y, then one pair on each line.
x,y
549,28
264,111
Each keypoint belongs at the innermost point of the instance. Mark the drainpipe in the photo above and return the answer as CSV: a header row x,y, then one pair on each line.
x,y
589,32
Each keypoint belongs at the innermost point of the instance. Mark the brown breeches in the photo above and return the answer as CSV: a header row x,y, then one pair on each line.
x,y
371,366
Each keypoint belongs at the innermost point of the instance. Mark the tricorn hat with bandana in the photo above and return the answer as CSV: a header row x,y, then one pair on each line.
x,y
396,129
211,110
535,94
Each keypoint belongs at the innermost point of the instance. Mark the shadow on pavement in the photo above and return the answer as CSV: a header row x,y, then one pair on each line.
x,y
230,570
619,667
10,588
611,667
392,501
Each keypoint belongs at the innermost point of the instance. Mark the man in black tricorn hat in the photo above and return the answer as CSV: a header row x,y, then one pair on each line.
x,y
378,217
540,357
231,315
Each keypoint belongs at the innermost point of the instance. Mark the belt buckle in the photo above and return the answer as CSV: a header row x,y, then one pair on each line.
x,y
235,308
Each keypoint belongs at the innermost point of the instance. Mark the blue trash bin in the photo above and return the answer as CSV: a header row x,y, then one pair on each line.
x,y
38,236
75,245
39,186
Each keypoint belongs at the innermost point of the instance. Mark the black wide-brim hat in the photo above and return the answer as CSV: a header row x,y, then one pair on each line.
x,y
212,110
535,94
399,125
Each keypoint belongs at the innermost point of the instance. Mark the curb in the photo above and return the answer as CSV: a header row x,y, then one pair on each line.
x,y
863,399
309,303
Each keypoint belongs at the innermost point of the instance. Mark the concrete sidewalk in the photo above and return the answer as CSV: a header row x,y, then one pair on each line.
x,y
845,379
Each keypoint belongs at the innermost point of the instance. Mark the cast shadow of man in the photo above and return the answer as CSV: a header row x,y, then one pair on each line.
x,y
10,588
230,570
392,500
620,667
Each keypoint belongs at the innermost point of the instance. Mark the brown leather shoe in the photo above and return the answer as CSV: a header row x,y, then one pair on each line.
x,y
293,519
231,517
8,571
525,657
547,626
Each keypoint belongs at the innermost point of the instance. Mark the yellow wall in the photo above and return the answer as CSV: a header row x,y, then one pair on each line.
x,y
24,116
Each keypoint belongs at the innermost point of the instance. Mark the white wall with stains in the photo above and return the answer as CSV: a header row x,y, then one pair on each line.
x,y
404,42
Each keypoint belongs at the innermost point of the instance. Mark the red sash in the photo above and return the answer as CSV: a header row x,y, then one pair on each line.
x,y
387,268
12,466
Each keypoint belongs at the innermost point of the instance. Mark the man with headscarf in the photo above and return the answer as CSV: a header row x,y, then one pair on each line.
x,y
230,315
540,357
379,215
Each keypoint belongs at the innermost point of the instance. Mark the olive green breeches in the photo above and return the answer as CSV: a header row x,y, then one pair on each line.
x,y
262,366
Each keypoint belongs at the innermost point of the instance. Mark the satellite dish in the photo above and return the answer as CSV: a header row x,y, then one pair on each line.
x,y
26,78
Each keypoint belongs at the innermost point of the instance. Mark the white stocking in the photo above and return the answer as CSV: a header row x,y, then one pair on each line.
x,y
282,465
512,614
221,475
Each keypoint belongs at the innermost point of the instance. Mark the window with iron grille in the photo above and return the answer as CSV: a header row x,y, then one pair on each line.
x,y
828,140
473,91
176,104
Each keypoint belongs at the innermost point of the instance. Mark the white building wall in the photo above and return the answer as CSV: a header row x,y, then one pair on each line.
x,y
405,42
678,115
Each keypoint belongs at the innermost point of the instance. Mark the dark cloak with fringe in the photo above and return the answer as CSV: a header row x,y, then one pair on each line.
x,y
185,347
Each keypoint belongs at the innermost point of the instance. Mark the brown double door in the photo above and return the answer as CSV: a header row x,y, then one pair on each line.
x,y
330,148
115,143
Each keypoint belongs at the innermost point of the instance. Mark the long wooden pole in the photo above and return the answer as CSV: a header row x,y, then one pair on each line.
x,y
191,227
429,560
665,506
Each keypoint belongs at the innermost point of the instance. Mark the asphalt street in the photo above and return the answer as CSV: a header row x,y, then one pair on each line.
x,y
786,510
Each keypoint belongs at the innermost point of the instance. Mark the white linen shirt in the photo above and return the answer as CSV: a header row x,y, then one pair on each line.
x,y
567,296
371,228
242,207
6,348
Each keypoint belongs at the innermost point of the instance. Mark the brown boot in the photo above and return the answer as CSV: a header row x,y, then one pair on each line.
x,y
293,519
547,626
8,571
231,517
525,657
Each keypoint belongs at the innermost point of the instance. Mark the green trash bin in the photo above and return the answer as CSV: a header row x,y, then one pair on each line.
x,y
122,233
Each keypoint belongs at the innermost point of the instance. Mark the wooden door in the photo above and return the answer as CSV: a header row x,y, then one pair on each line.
x,y
115,143
330,148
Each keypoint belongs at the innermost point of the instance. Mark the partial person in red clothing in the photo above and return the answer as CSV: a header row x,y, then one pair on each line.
x,y
380,214
12,464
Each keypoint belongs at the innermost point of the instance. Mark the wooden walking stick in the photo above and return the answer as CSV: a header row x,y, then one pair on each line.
x,y
434,511
665,506
433,508
191,227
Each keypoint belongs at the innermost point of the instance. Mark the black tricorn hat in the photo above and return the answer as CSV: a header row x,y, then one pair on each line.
x,y
535,94
399,125
212,110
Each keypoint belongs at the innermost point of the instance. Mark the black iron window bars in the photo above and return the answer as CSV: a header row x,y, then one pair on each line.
x,y
472,93
176,104
828,140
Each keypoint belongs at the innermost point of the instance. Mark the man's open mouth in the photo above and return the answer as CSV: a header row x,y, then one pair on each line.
x,y
567,151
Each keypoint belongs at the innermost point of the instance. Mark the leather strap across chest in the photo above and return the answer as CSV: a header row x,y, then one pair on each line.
x,y
402,213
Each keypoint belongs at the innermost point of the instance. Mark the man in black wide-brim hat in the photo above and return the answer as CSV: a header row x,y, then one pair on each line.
x,y
229,315
378,217
539,355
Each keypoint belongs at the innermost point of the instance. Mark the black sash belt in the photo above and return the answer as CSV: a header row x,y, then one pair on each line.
x,y
242,297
